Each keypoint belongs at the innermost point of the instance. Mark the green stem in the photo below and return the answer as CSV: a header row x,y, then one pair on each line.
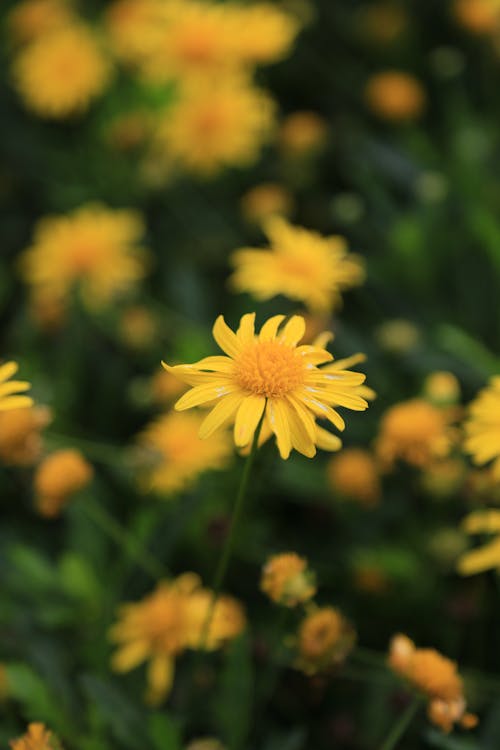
x,y
221,570
401,725
125,540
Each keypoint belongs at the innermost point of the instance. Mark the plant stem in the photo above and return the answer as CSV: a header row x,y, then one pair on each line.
x,y
124,539
220,572
401,725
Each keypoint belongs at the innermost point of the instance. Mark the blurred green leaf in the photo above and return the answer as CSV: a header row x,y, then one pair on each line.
x,y
233,707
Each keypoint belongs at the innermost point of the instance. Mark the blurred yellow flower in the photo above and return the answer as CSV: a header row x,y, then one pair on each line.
x,y
442,388
167,622
30,19
486,557
398,336
478,16
20,439
354,475
437,678
215,124
287,579
482,427
396,96
60,73
301,265
59,476
177,454
302,132
138,327
325,639
10,389
93,248
165,388
37,737
415,431
264,201
134,28
263,33
268,374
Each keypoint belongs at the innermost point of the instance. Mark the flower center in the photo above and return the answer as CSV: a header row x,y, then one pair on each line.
x,y
269,369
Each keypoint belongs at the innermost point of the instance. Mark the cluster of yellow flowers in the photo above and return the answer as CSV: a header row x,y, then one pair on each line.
x,y
168,621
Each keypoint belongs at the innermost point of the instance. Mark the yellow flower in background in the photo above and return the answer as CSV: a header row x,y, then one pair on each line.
x,y
442,388
93,248
301,265
354,474
134,28
167,622
482,427
178,455
395,96
165,388
268,374
60,73
10,390
287,580
415,431
213,125
30,19
20,439
478,16
486,557
37,737
264,201
263,33
437,678
205,743
324,640
59,476
302,132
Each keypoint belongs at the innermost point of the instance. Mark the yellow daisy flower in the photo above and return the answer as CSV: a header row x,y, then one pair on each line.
x,y
268,374
300,265
37,737
482,428
288,580
60,73
10,389
93,248
178,455
324,640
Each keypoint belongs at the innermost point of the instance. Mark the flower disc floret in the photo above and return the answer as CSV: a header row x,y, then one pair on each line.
x,y
269,369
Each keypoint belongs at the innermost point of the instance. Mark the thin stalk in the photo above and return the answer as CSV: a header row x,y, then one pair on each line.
x,y
401,725
125,540
222,566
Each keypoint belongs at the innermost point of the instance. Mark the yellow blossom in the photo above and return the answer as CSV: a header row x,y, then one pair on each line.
x,y
138,327
301,265
263,33
268,374
264,201
395,96
167,622
20,439
482,427
30,19
178,455
302,133
60,73
414,431
436,677
398,336
57,478
442,388
324,640
135,28
487,556
213,125
287,580
37,737
355,475
93,248
165,388
10,390
478,16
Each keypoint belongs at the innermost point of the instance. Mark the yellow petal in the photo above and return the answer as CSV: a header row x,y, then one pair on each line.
x,y
479,560
270,328
326,440
14,386
15,402
277,416
247,419
294,330
220,414
130,656
202,394
300,432
226,338
482,521
7,370
216,364
160,678
246,330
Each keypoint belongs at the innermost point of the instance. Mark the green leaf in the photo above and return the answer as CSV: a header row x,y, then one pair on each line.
x,y
164,732
39,704
120,715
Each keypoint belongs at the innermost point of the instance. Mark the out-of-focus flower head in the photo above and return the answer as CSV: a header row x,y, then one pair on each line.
x,y
302,133
300,264
354,474
167,622
383,22
263,33
177,455
482,427
93,248
266,200
61,72
416,432
20,439
478,16
138,327
287,580
37,737
324,640
12,391
57,478
165,388
267,376
437,678
134,28
443,478
214,124
398,336
442,388
395,96
486,557
205,743
30,19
